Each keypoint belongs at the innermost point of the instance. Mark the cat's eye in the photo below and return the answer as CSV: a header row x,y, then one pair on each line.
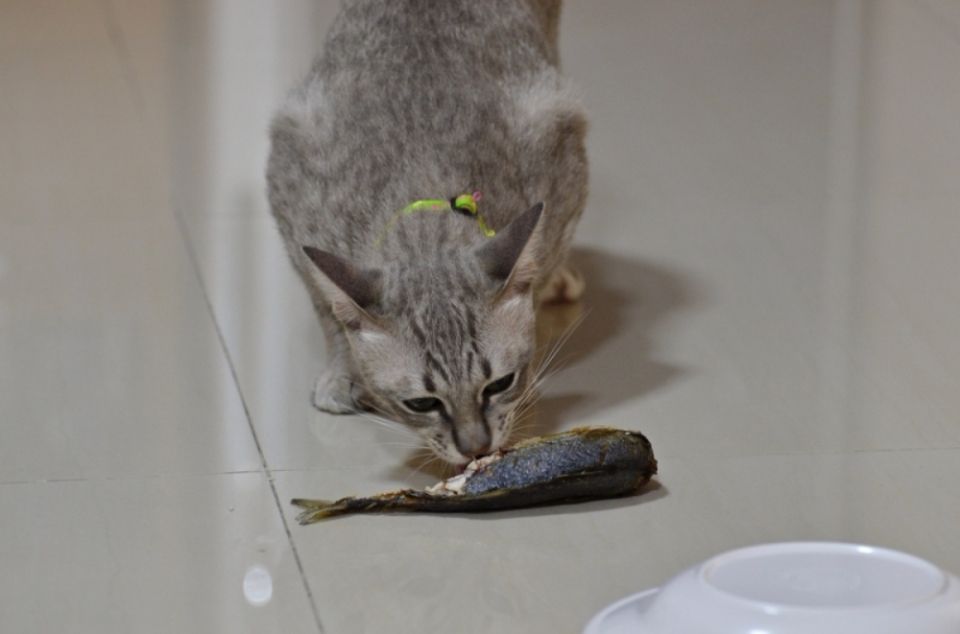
x,y
500,385
422,405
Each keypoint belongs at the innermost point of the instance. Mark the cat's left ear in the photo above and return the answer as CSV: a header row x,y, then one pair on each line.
x,y
352,292
510,257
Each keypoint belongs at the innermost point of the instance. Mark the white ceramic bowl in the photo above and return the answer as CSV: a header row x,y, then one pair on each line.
x,y
795,588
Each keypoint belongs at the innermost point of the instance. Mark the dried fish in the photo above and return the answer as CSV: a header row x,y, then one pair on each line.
x,y
581,464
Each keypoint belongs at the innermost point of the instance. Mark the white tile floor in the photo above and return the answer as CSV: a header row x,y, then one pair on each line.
x,y
773,250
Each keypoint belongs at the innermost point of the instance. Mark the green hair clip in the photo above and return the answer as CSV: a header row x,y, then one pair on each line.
x,y
465,204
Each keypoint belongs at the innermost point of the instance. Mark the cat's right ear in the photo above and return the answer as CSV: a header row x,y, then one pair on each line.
x,y
352,292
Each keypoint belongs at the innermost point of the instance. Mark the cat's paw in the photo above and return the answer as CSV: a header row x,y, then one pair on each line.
x,y
565,285
333,393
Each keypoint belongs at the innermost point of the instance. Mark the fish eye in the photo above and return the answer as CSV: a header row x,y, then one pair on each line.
x,y
422,405
500,385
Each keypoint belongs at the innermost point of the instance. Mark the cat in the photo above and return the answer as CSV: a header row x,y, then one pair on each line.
x,y
427,177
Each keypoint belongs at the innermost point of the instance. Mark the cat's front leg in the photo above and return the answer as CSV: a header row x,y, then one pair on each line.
x,y
334,393
337,390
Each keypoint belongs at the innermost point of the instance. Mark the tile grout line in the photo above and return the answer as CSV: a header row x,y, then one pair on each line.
x,y
122,478
246,411
118,42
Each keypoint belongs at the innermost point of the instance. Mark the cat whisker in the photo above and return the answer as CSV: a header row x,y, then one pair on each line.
x,y
525,406
529,396
381,420
552,364
548,358
533,392
567,331
431,459
525,430
527,409
544,371
389,424
520,433
524,419
524,413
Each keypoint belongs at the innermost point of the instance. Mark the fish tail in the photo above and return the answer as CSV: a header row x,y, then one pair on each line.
x,y
316,510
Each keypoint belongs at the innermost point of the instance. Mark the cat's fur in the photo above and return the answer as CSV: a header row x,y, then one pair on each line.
x,y
430,99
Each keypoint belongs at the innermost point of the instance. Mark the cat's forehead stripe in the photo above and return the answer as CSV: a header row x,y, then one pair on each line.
x,y
418,334
472,327
437,367
443,329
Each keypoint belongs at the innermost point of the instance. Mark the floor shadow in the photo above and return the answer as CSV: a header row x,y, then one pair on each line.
x,y
609,355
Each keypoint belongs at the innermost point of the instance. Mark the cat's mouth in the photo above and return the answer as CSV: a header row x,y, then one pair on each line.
x,y
453,486
477,463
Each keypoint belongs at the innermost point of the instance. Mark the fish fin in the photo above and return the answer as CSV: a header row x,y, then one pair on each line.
x,y
311,504
316,510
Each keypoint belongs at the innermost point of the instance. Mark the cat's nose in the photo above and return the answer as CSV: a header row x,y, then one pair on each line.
x,y
481,452
473,446
476,451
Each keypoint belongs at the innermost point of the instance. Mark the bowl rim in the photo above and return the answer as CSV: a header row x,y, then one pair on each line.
x,y
948,590
594,624
702,570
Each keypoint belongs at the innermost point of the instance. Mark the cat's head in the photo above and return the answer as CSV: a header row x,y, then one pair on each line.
x,y
445,345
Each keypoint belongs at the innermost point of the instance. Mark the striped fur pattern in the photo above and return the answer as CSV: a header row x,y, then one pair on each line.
x,y
432,325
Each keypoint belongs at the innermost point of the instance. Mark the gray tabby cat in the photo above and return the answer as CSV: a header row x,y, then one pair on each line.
x,y
428,320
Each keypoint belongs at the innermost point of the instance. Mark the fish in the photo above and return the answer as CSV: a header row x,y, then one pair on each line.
x,y
585,463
